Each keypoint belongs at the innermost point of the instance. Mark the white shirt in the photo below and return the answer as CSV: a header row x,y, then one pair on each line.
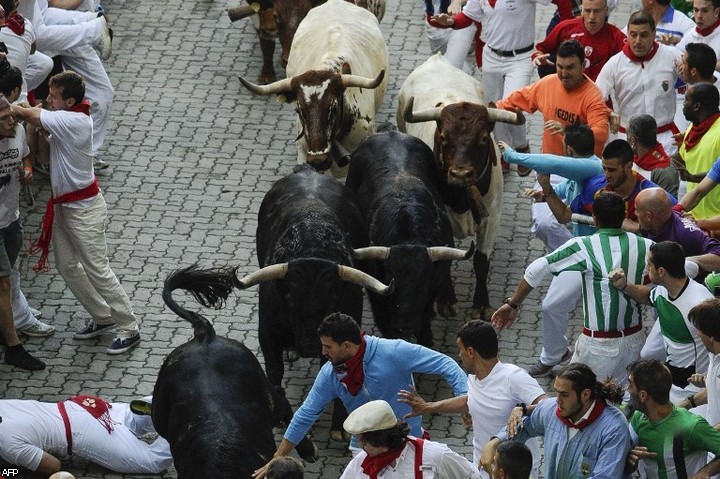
x,y
71,158
12,152
491,399
692,36
438,461
510,25
648,88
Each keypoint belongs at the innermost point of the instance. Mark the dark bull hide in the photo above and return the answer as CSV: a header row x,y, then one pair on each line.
x,y
212,401
396,182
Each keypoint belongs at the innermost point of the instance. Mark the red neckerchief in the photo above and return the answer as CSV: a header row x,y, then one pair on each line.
x,y
492,3
97,408
641,60
707,31
597,409
82,107
351,373
656,157
372,466
16,23
697,131
42,245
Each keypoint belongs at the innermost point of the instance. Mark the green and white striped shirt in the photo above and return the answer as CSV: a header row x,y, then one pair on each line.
x,y
605,308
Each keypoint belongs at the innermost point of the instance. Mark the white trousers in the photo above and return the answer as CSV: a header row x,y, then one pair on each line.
x,y
80,249
38,68
502,76
546,228
454,44
562,298
608,357
120,450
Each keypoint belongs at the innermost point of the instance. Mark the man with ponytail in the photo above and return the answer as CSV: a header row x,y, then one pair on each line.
x,y
584,434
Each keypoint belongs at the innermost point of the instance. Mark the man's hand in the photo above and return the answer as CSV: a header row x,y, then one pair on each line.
x,y
614,122
503,317
697,380
555,127
488,455
535,195
502,146
515,422
418,405
542,59
617,278
443,19
668,39
635,455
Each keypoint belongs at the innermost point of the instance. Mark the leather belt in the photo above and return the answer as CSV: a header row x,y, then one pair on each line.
x,y
66,421
511,53
612,334
661,129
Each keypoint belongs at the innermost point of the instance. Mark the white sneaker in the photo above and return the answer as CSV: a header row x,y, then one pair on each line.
x,y
38,330
36,312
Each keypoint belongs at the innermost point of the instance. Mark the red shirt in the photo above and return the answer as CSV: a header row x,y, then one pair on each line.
x,y
598,48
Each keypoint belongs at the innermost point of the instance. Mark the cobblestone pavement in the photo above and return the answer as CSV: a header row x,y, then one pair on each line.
x,y
192,153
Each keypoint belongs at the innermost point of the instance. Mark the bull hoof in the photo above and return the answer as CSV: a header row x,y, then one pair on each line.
x,y
339,436
484,313
290,355
266,78
446,310
308,452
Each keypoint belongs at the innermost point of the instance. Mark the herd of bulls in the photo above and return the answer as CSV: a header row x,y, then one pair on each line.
x,y
390,229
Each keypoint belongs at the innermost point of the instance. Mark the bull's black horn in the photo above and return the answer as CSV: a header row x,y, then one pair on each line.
x,y
263,275
429,114
379,253
356,276
444,253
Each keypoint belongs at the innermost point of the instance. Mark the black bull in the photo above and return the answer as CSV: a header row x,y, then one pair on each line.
x,y
212,401
396,182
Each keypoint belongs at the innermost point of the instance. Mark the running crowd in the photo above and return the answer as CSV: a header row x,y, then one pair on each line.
x,y
625,202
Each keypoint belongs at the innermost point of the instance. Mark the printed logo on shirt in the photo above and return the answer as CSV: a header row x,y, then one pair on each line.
x,y
588,50
565,115
9,154
576,35
665,85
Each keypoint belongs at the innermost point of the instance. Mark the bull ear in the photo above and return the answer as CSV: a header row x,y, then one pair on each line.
x,y
346,70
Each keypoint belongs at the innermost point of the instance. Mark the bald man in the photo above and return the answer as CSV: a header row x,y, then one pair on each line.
x,y
659,222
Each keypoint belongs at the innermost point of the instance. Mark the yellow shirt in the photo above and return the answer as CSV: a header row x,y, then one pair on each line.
x,y
700,160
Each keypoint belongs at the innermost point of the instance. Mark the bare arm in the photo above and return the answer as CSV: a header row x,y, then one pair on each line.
x,y
28,114
49,464
693,197
707,262
506,314
420,406
559,209
65,4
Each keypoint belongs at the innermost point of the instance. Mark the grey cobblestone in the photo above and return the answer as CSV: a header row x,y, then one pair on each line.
x,y
192,154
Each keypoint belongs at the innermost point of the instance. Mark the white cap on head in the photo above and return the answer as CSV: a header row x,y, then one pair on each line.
x,y
62,475
372,416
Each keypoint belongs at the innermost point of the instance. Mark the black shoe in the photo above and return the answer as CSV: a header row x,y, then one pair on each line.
x,y
18,357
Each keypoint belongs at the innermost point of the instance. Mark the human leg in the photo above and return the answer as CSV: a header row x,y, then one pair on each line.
x,y
57,39
87,227
25,321
458,46
38,68
546,227
561,300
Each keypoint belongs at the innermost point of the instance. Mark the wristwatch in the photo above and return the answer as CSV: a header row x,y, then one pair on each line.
x,y
511,304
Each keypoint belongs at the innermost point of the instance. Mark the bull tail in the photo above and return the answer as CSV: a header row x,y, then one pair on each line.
x,y
210,287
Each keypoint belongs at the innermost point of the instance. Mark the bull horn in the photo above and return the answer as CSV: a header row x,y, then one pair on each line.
x,y
356,276
268,273
504,116
443,253
240,12
278,87
362,82
430,114
379,253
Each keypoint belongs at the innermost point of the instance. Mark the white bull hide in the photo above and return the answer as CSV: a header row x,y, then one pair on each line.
x,y
332,35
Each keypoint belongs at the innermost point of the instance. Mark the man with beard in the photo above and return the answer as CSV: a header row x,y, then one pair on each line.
x,y
672,441
362,368
584,435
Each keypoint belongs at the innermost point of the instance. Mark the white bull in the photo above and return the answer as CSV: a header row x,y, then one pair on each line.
x,y
337,76
443,106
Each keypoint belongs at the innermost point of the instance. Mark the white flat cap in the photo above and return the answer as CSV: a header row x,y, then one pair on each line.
x,y
373,416
62,475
